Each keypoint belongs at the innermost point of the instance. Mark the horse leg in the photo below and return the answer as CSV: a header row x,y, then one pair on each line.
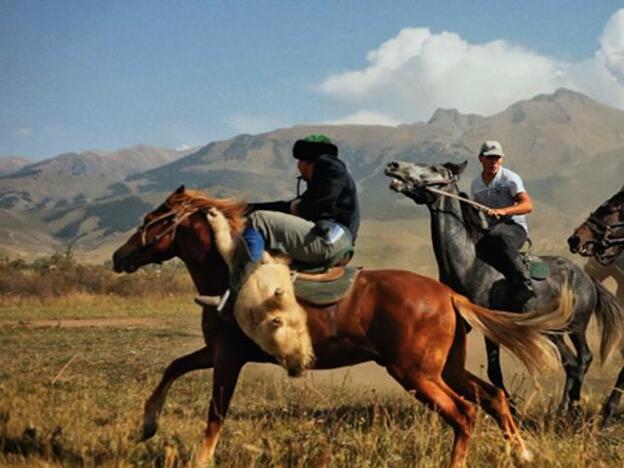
x,y
494,371
584,358
200,359
227,366
492,400
613,400
569,363
438,396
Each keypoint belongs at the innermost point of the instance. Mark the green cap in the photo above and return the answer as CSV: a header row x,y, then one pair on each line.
x,y
317,138
313,147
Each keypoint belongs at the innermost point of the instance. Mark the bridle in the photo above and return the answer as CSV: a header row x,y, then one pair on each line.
x,y
603,233
177,215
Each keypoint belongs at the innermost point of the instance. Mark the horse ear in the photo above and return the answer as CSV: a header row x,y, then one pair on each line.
x,y
456,169
180,190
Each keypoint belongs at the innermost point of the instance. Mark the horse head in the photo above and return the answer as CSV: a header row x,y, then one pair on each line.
x,y
414,180
179,228
602,234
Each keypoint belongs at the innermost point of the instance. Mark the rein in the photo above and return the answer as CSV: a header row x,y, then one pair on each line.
x,y
604,231
178,217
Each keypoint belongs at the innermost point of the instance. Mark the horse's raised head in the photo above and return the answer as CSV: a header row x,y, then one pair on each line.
x,y
602,234
412,179
182,215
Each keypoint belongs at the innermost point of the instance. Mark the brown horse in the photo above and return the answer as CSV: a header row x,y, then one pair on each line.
x,y
601,237
410,324
602,273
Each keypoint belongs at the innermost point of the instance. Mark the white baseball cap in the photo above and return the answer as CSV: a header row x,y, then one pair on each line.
x,y
491,148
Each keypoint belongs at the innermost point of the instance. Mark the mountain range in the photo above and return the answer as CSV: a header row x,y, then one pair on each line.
x,y
10,164
567,147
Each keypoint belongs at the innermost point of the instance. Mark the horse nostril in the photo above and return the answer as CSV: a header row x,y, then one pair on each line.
x,y
393,165
573,242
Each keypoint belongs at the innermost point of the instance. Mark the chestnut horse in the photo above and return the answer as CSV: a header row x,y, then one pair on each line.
x,y
601,237
410,324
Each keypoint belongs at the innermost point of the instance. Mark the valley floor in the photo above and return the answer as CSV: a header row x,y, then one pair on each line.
x,y
74,374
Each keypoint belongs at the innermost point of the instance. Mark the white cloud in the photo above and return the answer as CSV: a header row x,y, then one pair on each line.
x,y
25,132
364,117
611,51
412,74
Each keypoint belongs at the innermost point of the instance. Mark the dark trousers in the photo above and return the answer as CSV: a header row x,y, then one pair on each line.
x,y
499,248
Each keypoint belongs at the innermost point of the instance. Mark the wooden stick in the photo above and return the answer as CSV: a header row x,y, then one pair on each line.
x,y
460,198
58,376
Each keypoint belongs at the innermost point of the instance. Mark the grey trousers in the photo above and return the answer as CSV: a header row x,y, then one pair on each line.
x,y
296,237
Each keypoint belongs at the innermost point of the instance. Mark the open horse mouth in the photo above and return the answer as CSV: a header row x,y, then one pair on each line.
x,y
398,182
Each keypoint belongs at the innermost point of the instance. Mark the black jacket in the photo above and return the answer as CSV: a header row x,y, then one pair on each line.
x,y
331,195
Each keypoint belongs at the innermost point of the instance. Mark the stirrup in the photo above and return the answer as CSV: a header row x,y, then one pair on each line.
x,y
212,301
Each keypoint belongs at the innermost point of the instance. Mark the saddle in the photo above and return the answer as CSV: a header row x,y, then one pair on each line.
x,y
538,269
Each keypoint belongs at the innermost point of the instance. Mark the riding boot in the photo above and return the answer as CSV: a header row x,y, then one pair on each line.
x,y
521,280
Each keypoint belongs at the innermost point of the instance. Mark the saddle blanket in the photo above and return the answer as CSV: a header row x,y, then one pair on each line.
x,y
327,292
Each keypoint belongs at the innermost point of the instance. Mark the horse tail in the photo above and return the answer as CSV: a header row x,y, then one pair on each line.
x,y
610,318
521,333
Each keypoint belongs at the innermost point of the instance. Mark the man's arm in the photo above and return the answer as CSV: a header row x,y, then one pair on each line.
x,y
281,206
523,205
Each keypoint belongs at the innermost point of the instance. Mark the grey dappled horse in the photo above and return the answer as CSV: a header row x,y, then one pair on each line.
x,y
455,228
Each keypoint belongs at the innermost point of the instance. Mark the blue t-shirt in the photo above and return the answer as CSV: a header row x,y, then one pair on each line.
x,y
500,192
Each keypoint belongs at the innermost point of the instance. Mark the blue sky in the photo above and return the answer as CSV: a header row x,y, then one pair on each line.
x,y
78,75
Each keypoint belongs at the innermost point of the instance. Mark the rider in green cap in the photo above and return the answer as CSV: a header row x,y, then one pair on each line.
x,y
320,224
317,227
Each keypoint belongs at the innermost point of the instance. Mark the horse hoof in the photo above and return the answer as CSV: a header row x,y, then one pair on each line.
x,y
526,456
149,431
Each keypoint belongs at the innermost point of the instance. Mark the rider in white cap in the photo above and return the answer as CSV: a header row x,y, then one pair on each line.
x,y
503,191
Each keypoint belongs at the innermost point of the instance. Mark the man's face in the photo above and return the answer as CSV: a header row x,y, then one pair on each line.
x,y
491,164
306,168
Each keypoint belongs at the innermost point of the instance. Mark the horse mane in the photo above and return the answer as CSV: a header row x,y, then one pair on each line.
x,y
232,208
472,219
618,197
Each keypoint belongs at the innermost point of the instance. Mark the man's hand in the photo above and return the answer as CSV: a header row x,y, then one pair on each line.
x,y
294,206
497,212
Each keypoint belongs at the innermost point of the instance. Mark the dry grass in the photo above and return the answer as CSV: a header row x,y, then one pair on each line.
x,y
73,397
60,275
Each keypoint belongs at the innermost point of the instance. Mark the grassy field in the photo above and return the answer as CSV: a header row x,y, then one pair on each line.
x,y
72,390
